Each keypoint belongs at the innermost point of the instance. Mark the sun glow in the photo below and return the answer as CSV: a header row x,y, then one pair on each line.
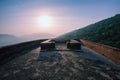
x,y
45,21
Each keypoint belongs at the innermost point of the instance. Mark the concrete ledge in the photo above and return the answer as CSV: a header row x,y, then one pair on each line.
x,y
109,52
7,51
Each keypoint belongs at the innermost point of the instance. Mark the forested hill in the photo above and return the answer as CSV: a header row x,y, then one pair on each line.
x,y
105,32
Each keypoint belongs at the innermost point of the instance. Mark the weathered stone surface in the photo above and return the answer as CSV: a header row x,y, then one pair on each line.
x,y
74,65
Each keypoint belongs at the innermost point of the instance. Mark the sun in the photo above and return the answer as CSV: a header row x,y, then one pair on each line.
x,y
45,21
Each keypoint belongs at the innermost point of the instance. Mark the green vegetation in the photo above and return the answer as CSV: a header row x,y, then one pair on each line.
x,y
105,32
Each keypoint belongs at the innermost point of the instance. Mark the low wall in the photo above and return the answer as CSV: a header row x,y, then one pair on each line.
x,y
17,48
107,51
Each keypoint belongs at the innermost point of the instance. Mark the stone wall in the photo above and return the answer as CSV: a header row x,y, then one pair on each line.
x,y
7,51
109,52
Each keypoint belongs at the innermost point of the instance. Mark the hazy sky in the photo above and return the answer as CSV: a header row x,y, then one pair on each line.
x,y
20,17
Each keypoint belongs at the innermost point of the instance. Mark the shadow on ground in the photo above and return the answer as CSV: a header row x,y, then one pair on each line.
x,y
49,56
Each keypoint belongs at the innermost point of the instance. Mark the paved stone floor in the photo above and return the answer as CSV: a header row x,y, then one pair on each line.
x,y
60,64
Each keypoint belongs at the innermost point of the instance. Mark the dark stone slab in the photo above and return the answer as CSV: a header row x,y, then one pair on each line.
x,y
48,44
73,44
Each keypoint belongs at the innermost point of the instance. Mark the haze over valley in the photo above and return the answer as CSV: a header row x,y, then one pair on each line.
x,y
7,39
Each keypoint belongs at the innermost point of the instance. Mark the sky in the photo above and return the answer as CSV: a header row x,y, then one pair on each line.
x,y
21,17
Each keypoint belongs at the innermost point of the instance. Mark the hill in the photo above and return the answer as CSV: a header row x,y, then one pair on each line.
x,y
105,32
6,36
37,36
6,39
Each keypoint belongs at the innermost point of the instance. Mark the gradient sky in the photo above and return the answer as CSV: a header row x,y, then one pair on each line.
x,y
20,17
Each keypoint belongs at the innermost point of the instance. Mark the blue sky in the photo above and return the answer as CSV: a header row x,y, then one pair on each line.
x,y
19,17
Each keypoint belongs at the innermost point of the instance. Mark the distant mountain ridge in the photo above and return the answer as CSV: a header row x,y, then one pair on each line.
x,y
36,36
106,32
7,39
6,36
